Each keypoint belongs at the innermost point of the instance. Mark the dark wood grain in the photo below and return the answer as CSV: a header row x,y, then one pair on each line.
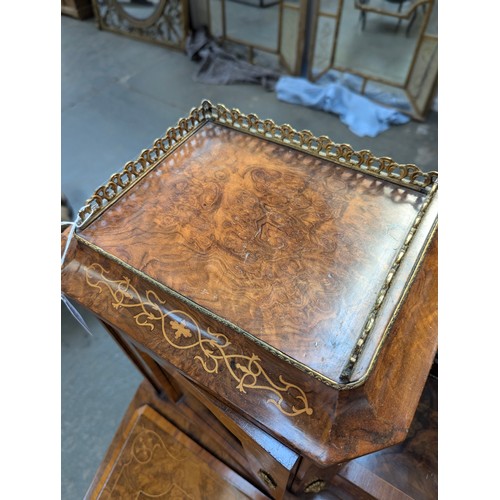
x,y
289,247
269,461
411,466
400,472
379,413
80,9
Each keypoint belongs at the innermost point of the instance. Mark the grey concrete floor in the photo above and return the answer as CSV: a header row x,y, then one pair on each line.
x,y
118,95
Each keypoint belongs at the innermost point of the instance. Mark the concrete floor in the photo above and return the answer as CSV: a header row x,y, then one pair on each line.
x,y
118,95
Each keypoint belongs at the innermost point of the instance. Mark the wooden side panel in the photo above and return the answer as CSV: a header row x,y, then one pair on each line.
x,y
379,413
326,425
407,470
400,472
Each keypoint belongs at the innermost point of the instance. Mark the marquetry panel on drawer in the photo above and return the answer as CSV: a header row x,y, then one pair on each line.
x,y
159,461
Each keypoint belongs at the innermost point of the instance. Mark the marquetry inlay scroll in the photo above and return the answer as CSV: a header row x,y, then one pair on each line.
x,y
213,350
158,461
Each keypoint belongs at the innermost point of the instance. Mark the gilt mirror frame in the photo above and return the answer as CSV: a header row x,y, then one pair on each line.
x,y
167,25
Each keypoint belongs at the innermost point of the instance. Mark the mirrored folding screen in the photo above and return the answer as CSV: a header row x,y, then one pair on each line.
x,y
384,49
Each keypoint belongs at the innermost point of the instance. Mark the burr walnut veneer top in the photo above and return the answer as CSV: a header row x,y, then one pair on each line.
x,y
289,247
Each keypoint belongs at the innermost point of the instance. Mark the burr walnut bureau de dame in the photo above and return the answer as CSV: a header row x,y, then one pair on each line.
x,y
278,293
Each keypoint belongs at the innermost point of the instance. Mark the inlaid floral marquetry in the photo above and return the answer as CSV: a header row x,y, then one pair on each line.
x,y
212,350
158,461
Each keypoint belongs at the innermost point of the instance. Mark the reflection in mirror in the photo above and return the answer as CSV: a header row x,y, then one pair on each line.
x,y
387,94
423,75
253,25
139,9
329,6
380,45
378,38
432,26
267,60
216,18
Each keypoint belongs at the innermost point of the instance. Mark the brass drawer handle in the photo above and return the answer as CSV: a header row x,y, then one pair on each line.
x,y
315,487
267,478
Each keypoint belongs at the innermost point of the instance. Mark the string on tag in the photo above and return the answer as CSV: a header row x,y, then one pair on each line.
x,y
70,237
71,308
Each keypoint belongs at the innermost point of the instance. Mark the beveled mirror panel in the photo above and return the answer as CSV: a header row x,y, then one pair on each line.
x,y
422,79
159,21
253,25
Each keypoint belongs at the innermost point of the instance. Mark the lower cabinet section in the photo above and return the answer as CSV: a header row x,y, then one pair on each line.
x,y
157,460
193,448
